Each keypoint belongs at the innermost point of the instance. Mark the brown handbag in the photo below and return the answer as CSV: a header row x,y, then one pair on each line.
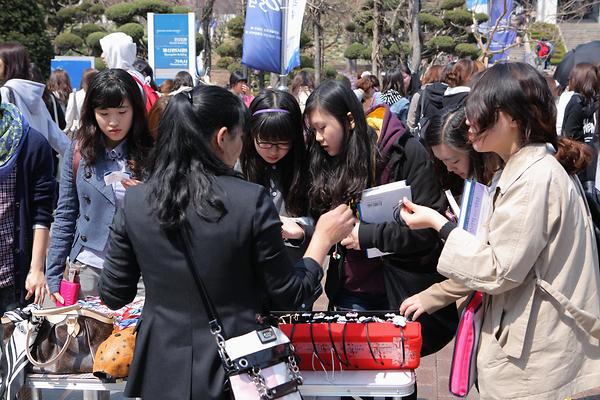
x,y
115,355
67,340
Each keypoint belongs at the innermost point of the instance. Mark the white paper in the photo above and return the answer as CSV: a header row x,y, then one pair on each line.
x,y
115,177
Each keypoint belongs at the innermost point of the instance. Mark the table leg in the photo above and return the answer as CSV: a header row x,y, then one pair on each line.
x,y
96,395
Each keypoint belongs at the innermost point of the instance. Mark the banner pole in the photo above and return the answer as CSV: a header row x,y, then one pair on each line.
x,y
284,27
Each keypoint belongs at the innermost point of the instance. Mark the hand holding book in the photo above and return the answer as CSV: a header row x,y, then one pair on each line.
x,y
421,217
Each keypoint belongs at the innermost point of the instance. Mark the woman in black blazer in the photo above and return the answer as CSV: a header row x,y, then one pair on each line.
x,y
237,247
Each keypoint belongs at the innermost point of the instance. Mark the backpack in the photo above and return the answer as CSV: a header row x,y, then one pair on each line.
x,y
432,103
543,49
149,94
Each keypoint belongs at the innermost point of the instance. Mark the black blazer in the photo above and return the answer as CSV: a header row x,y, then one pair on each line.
x,y
243,263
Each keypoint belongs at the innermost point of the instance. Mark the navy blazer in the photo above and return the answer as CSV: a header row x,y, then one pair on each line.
x,y
86,208
34,200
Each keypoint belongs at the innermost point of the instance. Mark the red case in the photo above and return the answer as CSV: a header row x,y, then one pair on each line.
x,y
361,346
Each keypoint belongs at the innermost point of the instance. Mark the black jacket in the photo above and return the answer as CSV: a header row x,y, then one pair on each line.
x,y
580,123
241,260
412,266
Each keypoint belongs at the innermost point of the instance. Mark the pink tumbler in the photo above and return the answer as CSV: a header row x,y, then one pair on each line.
x,y
69,292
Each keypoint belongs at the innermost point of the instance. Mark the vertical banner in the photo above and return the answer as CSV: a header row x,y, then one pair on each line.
x,y
171,45
75,66
505,35
262,35
293,30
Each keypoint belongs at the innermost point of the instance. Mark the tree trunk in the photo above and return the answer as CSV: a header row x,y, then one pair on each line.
x,y
207,13
375,43
415,34
318,36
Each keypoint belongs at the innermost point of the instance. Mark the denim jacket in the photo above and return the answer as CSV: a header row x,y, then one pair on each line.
x,y
85,211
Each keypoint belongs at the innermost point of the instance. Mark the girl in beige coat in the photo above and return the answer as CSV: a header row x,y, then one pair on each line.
x,y
539,265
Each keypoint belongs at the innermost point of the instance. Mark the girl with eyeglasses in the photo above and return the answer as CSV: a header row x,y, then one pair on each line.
x,y
274,156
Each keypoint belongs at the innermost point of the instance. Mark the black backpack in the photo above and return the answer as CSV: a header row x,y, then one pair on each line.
x,y
431,103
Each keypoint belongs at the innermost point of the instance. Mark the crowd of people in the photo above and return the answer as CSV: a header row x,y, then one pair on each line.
x,y
261,188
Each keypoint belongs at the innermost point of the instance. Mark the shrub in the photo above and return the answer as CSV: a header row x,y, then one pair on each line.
x,y
235,66
70,15
452,4
465,50
23,22
482,17
354,51
133,29
441,43
305,40
306,61
228,49
199,42
99,64
86,29
93,42
96,9
67,41
460,17
143,7
329,72
235,26
121,13
430,20
224,62
180,10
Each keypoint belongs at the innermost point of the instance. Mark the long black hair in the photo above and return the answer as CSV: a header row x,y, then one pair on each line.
x,y
184,165
108,89
521,91
452,130
278,127
342,178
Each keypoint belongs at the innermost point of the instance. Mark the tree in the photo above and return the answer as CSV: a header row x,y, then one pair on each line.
x,y
22,21
206,18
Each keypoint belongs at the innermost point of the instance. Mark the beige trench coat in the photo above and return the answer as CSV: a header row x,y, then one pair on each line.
x,y
540,271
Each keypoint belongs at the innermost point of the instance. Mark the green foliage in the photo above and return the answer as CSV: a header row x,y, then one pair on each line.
x,y
180,10
133,29
143,7
122,13
392,51
367,52
459,17
354,51
224,62
482,17
452,4
99,64
67,41
23,22
235,66
467,50
230,48
93,42
235,27
199,43
70,15
405,47
305,40
96,9
306,61
86,29
441,43
329,72
430,20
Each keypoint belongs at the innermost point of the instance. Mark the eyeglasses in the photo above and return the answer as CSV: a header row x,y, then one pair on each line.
x,y
269,145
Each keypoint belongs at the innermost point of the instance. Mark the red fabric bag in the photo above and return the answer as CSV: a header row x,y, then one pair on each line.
x,y
331,345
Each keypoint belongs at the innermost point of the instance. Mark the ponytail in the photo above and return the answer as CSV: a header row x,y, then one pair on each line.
x,y
574,156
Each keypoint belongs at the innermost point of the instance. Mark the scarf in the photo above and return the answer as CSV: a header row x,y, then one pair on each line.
x,y
12,136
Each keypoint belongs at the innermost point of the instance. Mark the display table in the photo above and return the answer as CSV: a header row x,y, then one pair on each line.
x,y
345,383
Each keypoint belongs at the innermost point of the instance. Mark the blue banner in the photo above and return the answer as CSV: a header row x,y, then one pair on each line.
x,y
262,35
171,47
504,35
